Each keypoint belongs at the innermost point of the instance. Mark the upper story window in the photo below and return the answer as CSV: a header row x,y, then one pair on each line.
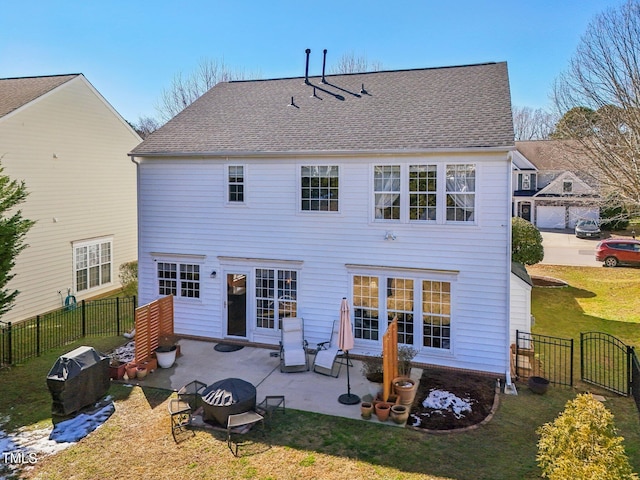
x,y
461,193
526,181
422,192
567,186
319,188
386,191
179,279
235,178
413,193
92,263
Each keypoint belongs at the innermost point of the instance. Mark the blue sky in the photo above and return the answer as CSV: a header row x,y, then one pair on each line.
x,y
131,50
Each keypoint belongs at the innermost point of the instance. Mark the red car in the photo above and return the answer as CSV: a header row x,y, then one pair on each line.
x,y
615,251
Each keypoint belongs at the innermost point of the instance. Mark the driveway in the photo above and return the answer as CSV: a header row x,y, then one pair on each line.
x,y
562,247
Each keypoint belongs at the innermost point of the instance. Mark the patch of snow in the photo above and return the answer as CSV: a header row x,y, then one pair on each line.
x,y
125,353
440,400
32,444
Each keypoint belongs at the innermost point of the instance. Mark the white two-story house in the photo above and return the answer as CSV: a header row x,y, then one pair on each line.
x,y
273,198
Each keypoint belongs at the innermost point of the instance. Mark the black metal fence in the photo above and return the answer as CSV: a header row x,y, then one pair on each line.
x,y
605,361
635,378
544,356
20,341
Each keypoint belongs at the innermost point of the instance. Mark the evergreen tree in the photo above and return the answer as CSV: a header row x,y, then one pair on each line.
x,y
13,229
526,242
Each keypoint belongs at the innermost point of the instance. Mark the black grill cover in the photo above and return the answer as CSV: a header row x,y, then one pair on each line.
x,y
77,379
227,397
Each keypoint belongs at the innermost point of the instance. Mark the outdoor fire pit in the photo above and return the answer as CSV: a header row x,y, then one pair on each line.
x,y
227,397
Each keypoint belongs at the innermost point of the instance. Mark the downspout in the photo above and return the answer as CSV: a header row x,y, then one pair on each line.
x,y
509,387
137,164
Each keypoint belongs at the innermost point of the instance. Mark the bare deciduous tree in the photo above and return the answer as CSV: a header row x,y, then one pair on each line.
x,y
184,90
350,63
604,77
145,126
530,124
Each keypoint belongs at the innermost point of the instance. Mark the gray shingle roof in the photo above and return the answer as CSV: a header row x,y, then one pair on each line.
x,y
423,109
557,155
16,92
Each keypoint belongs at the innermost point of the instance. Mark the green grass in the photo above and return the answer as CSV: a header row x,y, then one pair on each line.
x,y
135,442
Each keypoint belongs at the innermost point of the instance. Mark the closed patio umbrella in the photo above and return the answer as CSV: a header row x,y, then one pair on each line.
x,y
345,343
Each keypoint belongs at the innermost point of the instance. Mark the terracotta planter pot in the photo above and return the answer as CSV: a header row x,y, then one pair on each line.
x,y
405,388
366,410
116,372
141,372
383,409
131,369
399,413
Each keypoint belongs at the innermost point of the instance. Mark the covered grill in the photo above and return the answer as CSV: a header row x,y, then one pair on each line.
x,y
78,378
227,397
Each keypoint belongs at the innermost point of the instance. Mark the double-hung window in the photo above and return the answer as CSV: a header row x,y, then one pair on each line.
x,y
319,188
92,263
386,192
179,279
235,183
461,193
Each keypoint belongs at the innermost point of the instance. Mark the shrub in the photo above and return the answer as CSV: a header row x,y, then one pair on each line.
x,y
526,242
129,278
582,444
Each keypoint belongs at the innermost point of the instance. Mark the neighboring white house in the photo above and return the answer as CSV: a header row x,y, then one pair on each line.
x,y
521,285
547,189
60,136
274,198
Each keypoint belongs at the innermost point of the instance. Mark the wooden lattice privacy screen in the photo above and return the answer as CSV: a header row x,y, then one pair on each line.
x,y
152,320
389,358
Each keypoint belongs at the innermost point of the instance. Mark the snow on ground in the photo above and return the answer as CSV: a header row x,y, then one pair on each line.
x,y
27,445
442,400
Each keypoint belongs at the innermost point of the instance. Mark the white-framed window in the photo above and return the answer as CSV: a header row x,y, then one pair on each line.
x,y
417,193
92,263
386,192
461,192
319,188
423,192
276,291
178,279
567,186
235,183
421,305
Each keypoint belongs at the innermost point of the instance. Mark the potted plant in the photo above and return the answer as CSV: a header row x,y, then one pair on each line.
x,y
372,370
406,353
166,351
116,367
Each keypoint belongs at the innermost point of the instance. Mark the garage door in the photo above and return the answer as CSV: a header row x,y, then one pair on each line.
x,y
550,217
582,213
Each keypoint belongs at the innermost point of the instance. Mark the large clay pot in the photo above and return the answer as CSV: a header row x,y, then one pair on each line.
x,y
382,411
405,388
399,413
132,370
141,372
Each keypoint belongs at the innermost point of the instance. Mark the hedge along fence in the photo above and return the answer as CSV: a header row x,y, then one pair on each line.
x,y
152,320
20,341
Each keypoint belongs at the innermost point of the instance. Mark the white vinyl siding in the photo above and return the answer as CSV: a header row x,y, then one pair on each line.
x,y
182,210
70,147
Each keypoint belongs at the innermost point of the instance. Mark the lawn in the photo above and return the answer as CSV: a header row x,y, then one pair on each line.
x,y
136,442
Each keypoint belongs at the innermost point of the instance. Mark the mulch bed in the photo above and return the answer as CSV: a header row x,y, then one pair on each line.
x,y
478,389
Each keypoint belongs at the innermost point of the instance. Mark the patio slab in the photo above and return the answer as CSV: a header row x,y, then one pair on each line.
x,y
308,391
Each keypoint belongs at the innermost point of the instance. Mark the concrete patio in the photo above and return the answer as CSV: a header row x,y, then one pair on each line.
x,y
308,391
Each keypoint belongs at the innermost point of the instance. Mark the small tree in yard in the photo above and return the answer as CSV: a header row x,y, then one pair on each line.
x,y
582,444
526,242
13,229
